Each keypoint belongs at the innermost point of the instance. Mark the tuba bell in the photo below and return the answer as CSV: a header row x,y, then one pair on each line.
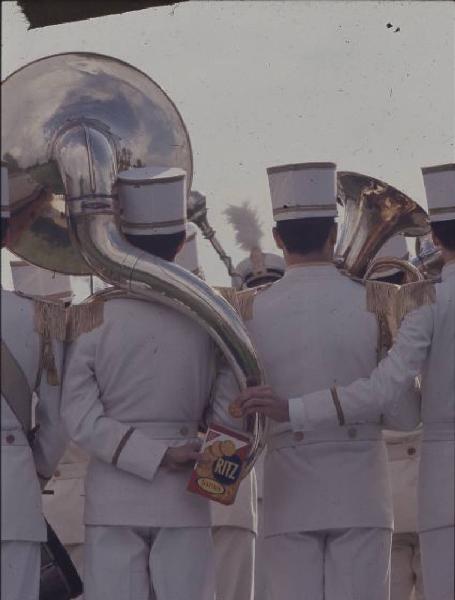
x,y
70,123
374,212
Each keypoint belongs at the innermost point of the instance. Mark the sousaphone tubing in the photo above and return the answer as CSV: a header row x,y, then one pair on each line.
x,y
70,123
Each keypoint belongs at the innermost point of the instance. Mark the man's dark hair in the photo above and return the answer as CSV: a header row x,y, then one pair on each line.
x,y
5,223
256,281
445,232
164,246
397,278
302,236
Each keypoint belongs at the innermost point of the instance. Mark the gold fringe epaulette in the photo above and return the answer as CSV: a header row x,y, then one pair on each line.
x,y
413,295
230,295
50,323
50,318
48,362
54,320
83,318
381,297
245,299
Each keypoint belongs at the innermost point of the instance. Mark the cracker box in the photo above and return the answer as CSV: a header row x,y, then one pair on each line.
x,y
219,477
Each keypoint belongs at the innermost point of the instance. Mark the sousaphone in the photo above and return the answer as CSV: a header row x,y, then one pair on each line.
x,y
374,212
70,123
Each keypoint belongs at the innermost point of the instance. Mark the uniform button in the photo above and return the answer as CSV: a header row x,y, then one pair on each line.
x,y
184,430
352,432
411,451
10,438
298,436
57,473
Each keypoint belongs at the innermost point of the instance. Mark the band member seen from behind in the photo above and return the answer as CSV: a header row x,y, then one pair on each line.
x,y
327,501
425,345
257,269
63,502
135,393
29,456
403,450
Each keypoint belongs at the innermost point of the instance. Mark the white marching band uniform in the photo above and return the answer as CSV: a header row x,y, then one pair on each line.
x,y
64,506
234,527
327,501
403,450
146,536
63,502
332,491
23,526
425,344
257,269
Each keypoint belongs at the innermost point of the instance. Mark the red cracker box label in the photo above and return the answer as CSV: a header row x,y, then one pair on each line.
x,y
218,477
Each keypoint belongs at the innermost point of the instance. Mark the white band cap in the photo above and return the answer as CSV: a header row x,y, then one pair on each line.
x,y
439,184
36,281
303,191
5,208
188,257
152,200
259,267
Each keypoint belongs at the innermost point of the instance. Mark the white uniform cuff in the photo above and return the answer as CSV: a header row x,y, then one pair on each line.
x,y
297,414
313,411
141,455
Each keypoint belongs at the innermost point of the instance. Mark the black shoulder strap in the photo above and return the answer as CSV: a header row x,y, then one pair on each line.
x,y
15,389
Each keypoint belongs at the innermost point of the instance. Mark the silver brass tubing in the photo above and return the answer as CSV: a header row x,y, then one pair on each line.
x,y
87,165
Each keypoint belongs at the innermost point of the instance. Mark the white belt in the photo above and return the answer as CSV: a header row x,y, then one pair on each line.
x,y
70,471
359,433
403,450
14,437
439,431
170,430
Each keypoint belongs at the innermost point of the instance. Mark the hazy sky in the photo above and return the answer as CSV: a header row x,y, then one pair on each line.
x,y
263,83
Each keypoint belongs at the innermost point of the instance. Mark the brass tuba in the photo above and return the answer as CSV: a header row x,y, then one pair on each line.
x,y
70,123
374,212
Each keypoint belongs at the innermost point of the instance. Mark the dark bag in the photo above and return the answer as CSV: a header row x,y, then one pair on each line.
x,y
59,579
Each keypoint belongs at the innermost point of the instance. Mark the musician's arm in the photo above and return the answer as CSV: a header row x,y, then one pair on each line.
x,y
107,439
50,439
366,400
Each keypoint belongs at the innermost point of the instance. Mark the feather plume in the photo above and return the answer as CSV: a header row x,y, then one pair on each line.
x,y
245,221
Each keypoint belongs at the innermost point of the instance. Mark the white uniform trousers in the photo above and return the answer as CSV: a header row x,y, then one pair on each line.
x,y
406,571
234,562
148,563
338,564
260,577
438,560
20,574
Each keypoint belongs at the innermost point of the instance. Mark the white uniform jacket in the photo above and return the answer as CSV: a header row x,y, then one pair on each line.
x,y
403,449
425,344
133,387
312,330
64,507
22,515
